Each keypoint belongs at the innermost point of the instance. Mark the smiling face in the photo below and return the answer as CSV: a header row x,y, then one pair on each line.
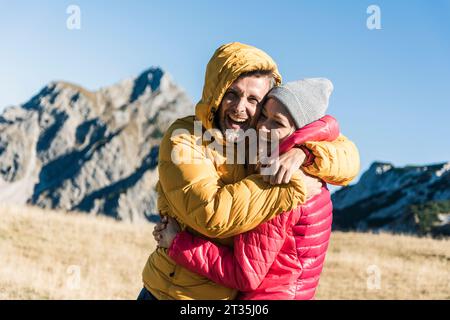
x,y
275,118
239,105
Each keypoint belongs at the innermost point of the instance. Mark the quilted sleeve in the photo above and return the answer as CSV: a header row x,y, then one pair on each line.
x,y
331,156
324,129
335,162
233,267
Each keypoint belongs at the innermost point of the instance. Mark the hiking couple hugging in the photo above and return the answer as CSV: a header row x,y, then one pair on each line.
x,y
242,225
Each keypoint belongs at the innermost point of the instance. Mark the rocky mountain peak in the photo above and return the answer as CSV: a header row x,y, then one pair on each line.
x,y
94,151
147,80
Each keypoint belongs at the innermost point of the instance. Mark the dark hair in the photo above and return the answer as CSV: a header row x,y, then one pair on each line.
x,y
260,73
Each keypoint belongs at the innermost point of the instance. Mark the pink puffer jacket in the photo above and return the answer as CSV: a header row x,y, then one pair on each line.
x,y
281,259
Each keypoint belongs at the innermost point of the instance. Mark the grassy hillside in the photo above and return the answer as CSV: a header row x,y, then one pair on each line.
x,y
49,255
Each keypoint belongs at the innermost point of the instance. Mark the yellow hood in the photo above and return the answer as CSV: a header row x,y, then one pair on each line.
x,y
226,65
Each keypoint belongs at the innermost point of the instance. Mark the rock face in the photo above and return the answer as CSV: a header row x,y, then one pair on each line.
x,y
384,197
72,149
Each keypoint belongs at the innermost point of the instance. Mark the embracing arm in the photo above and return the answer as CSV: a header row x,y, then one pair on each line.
x,y
292,152
335,159
234,268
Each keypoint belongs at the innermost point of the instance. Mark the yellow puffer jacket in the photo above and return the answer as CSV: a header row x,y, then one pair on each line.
x,y
215,199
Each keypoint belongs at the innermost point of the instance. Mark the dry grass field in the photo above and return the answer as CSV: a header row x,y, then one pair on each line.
x,y
54,255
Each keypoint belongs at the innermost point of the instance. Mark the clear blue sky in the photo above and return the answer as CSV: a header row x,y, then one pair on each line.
x,y
392,86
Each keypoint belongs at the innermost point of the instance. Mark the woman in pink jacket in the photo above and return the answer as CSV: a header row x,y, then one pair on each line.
x,y
282,258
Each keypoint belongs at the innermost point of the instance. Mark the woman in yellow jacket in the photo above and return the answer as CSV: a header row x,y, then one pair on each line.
x,y
216,198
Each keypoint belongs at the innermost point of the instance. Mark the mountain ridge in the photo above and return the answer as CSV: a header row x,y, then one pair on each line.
x,y
384,196
96,151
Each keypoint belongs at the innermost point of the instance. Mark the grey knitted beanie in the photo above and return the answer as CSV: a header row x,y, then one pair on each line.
x,y
306,100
